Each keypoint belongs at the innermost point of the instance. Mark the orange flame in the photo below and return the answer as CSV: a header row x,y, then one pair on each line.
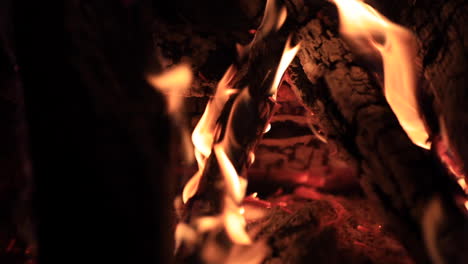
x,y
203,137
288,55
273,18
361,22
203,134
231,178
173,83
233,219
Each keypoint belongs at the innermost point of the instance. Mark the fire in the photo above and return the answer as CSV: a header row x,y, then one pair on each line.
x,y
233,181
203,134
173,83
206,143
365,27
288,55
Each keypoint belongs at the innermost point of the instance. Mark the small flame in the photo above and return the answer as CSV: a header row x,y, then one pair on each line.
x,y
184,232
234,222
462,183
203,137
267,128
251,157
173,83
231,177
273,18
360,21
203,134
288,55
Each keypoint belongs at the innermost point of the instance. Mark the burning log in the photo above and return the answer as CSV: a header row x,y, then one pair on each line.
x,y
231,127
350,109
416,195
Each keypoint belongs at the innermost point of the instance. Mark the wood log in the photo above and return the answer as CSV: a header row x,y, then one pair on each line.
x,y
347,101
405,180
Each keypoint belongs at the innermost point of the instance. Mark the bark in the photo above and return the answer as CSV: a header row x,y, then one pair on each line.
x,y
405,180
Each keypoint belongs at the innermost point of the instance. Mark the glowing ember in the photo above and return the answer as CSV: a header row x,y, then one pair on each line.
x,y
365,26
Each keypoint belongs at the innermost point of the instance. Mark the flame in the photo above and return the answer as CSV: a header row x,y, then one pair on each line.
x,y
267,128
173,83
273,18
251,157
184,232
462,183
203,134
236,186
231,177
363,25
288,55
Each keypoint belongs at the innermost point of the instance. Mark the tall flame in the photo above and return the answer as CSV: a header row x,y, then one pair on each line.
x,y
203,137
361,22
203,134
288,55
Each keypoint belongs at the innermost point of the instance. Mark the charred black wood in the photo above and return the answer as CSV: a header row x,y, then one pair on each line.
x,y
405,180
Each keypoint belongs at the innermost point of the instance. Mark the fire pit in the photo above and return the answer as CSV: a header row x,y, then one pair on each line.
x,y
236,132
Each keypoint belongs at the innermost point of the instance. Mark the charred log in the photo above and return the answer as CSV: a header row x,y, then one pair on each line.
x,y
406,180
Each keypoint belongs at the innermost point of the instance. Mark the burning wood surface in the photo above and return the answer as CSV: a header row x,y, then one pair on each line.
x,y
375,37
352,123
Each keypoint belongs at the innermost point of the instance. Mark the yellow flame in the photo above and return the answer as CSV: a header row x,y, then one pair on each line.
x,y
231,178
173,83
184,232
234,222
463,185
360,21
191,187
288,55
203,134
267,128
251,157
273,18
